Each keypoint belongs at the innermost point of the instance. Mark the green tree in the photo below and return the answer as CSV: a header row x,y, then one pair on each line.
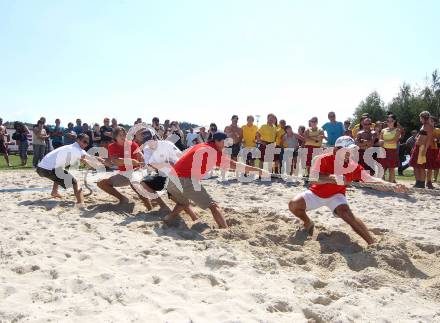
x,y
373,105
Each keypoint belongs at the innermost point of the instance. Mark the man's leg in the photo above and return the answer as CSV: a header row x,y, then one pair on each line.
x,y
55,192
298,207
106,186
344,212
174,213
78,194
187,208
218,216
144,199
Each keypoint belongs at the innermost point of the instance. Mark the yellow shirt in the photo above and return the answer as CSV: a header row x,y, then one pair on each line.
x,y
279,136
267,133
356,129
314,133
388,134
436,135
249,134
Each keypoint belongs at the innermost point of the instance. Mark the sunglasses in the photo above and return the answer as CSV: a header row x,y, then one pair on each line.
x,y
313,121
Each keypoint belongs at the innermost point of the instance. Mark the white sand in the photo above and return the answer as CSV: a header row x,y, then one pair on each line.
x,y
107,265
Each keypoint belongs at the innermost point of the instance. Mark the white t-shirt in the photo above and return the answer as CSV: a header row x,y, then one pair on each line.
x,y
165,152
190,139
62,157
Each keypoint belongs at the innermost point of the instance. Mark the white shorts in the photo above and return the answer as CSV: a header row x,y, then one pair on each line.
x,y
314,202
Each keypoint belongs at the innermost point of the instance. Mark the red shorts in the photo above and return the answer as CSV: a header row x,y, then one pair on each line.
x,y
432,159
391,159
310,154
414,157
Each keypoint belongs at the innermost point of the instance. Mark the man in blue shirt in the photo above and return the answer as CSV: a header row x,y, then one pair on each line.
x,y
333,128
79,128
56,134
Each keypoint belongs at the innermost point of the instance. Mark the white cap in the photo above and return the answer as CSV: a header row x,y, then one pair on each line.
x,y
345,142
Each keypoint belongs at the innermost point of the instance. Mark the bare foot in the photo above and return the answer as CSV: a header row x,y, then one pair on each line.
x,y
56,195
80,206
310,228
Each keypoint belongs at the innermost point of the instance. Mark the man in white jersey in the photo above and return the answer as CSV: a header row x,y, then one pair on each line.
x,y
159,155
53,166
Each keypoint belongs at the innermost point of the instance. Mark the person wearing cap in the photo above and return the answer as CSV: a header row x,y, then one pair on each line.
x,y
357,126
234,132
159,156
330,175
184,181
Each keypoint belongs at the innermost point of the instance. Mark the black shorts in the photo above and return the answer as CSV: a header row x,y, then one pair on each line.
x,y
51,174
156,183
235,150
3,147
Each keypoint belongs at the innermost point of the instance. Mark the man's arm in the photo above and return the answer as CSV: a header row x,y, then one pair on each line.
x,y
234,165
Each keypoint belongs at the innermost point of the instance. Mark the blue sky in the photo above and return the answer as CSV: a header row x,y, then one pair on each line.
x,y
203,61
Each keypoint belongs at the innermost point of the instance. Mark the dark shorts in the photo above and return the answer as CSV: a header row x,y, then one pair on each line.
x,y
56,145
23,150
51,174
3,148
432,159
391,159
156,183
235,150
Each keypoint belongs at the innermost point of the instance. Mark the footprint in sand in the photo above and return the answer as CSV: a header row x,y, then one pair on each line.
x,y
279,306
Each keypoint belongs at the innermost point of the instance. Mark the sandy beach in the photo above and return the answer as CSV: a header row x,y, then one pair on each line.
x,y
107,264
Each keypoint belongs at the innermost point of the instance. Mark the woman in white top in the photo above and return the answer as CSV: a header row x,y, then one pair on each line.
x,y
159,155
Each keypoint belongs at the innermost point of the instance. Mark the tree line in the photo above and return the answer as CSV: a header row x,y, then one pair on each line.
x,y
406,105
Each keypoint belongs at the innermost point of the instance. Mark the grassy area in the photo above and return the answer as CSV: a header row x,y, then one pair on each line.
x,y
16,163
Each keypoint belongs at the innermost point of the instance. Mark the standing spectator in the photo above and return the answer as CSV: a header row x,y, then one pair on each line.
x,y
266,136
78,128
301,131
89,133
21,138
191,138
212,130
279,144
114,123
313,141
106,133
4,140
138,121
407,147
333,128
56,134
365,139
291,141
418,158
166,128
39,143
176,135
48,131
234,132
432,154
69,134
155,123
389,139
203,135
249,131
347,130
96,135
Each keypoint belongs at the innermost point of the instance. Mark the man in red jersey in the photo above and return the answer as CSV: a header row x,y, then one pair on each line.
x,y
335,172
118,156
184,185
